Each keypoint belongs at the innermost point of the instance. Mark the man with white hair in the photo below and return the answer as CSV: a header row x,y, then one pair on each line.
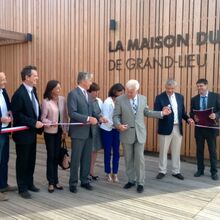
x,y
170,128
128,118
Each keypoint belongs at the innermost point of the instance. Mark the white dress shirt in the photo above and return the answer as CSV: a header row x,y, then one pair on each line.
x,y
107,112
3,107
174,106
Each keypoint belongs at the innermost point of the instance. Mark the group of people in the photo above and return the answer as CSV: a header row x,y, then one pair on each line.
x,y
92,125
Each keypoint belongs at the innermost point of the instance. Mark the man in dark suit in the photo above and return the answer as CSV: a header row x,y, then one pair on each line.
x,y
5,120
170,128
80,110
206,99
26,112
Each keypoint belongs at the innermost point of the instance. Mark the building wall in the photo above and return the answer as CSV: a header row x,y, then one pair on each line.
x,y
74,35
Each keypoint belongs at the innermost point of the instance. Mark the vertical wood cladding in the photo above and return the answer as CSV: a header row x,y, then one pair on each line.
x,y
74,35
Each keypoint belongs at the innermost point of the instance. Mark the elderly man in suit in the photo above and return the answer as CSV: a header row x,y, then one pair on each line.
x,y
5,120
170,128
128,118
80,110
204,100
26,112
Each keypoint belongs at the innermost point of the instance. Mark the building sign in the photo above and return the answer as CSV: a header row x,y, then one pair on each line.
x,y
158,42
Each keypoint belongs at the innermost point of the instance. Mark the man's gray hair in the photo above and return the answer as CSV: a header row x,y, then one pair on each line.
x,y
171,82
133,84
84,76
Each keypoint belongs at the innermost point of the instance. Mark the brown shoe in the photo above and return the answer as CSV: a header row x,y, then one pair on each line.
x,y
3,197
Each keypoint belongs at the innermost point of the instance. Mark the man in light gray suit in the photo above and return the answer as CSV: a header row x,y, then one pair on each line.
x,y
128,118
80,109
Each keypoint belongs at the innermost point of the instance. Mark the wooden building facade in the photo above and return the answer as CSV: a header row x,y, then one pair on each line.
x,y
117,40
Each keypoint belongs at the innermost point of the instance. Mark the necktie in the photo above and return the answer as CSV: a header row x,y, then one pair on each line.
x,y
85,94
134,106
204,106
33,101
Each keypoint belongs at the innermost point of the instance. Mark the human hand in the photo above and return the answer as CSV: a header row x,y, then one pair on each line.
x,y
212,116
92,120
103,120
190,121
166,110
122,127
6,119
196,119
39,124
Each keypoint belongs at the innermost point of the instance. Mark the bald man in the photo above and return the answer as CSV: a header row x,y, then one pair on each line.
x,y
5,120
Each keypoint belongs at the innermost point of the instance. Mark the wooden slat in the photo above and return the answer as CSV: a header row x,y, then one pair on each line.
x,y
170,198
73,35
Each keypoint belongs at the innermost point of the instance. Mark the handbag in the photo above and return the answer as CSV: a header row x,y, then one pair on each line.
x,y
64,158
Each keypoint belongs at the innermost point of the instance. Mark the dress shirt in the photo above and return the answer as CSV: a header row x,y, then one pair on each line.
x,y
174,106
201,100
3,107
29,90
84,92
107,112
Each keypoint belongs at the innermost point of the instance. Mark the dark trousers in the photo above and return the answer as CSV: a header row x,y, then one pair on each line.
x,y
111,143
4,158
210,137
80,156
25,165
53,143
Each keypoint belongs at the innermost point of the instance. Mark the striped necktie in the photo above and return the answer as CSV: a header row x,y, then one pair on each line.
x,y
134,106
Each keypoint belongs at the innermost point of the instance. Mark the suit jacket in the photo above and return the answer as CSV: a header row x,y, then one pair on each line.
x,y
165,125
51,113
123,114
24,115
79,110
213,101
5,94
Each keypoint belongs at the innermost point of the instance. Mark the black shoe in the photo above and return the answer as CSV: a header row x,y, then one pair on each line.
x,y
25,195
50,188
9,188
128,185
33,188
73,189
199,173
178,176
58,186
215,176
86,186
160,176
140,188
91,177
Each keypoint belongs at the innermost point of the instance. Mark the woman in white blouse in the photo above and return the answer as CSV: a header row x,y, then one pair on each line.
x,y
110,135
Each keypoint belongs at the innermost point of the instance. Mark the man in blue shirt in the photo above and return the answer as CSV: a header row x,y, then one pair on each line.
x,y
204,100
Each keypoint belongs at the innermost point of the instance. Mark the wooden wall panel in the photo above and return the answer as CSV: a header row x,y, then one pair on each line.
x,y
73,35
